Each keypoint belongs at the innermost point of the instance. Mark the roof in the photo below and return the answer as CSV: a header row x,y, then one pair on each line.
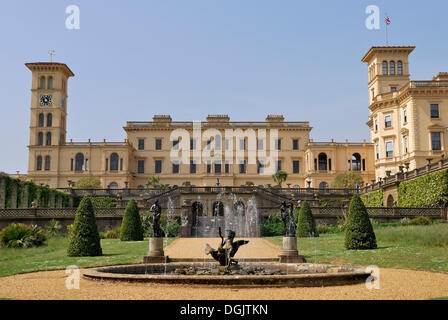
x,y
63,65
366,57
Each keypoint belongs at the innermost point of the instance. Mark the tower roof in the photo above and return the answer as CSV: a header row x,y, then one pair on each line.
x,y
368,55
35,66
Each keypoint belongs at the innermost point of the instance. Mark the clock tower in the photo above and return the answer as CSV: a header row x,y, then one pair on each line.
x,y
48,114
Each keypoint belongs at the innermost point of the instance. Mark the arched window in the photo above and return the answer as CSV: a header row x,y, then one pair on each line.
x,y
39,163
392,67
42,83
140,187
114,162
113,186
49,120
399,67
218,209
41,120
50,83
356,162
79,162
47,162
239,208
323,186
40,139
48,140
385,68
390,201
322,160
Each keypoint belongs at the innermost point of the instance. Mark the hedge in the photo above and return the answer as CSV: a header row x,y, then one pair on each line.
x,y
428,191
104,202
373,199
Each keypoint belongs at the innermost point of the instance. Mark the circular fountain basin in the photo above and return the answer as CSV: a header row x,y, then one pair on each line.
x,y
247,274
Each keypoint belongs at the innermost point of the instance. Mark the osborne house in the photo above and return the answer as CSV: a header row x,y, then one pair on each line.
x,y
407,121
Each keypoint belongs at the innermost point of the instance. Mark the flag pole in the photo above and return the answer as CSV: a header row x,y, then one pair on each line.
x,y
387,34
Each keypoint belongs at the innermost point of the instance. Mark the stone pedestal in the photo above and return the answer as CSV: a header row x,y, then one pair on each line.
x,y
155,253
290,253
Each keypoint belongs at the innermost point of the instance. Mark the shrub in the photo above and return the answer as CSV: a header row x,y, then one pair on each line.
x,y
306,226
84,238
19,235
53,228
419,221
88,183
321,229
272,226
104,202
113,233
359,232
131,226
373,199
169,226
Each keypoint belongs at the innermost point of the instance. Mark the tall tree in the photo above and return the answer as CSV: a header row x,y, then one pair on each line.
x,y
279,177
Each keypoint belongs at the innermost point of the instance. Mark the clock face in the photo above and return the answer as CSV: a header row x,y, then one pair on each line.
x,y
45,100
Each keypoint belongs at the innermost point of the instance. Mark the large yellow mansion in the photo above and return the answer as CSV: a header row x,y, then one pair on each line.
x,y
407,121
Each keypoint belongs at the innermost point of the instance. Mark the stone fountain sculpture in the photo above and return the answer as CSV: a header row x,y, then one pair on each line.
x,y
156,253
289,253
226,250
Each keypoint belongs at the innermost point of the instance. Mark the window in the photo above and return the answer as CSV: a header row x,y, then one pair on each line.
x,y
209,166
175,166
405,116
405,144
322,162
71,164
377,151
141,144
376,124
79,162
295,166
113,186
363,164
434,110
48,140
389,149
388,121
278,165
399,68
227,144
218,167
329,164
40,139
63,104
114,162
39,163
49,120
218,142
158,166
393,89
192,166
295,144
243,166
87,164
278,144
158,144
356,162
227,166
141,166
192,144
385,68
42,83
175,144
260,166
435,141
41,120
47,163
107,164
242,144
209,144
260,143
392,67
323,186
50,83
121,164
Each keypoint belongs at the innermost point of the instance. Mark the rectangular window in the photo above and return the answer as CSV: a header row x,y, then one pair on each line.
x,y
405,116
376,125
158,166
218,167
242,144
227,167
192,144
71,164
209,144
388,121
158,144
218,142
243,166
260,166
315,164
121,164
377,151
209,167
295,166
278,144
295,144
141,144
329,164
175,166
227,144
436,141
192,166
434,110
405,144
260,145
175,144
393,89
278,165
141,166
389,149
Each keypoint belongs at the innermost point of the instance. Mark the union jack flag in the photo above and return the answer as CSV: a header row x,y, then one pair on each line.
x,y
387,20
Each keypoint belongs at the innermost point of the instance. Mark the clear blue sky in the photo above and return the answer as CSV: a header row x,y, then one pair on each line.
x,y
190,58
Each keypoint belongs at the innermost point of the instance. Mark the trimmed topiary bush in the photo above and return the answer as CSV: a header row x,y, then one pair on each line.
x,y
131,226
306,226
359,232
84,237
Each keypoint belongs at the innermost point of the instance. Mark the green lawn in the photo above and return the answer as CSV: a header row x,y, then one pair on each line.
x,y
414,247
54,256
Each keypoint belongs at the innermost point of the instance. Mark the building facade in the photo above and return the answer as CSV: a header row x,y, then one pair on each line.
x,y
408,120
181,152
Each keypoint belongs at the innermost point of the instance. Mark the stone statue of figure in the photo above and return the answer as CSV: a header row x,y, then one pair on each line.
x,y
226,250
157,210
287,215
